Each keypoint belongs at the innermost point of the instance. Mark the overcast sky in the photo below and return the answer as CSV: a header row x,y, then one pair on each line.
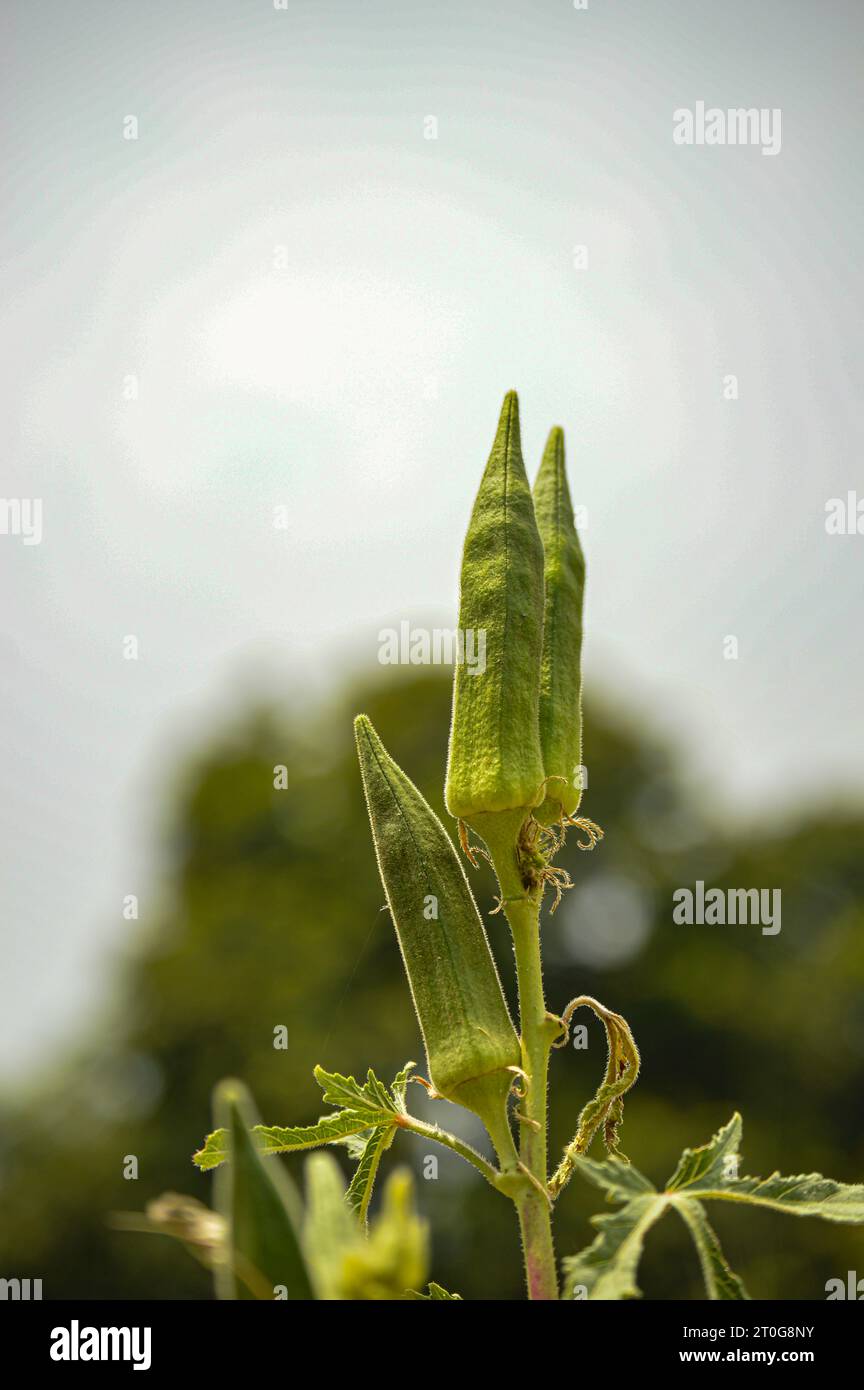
x,y
320,307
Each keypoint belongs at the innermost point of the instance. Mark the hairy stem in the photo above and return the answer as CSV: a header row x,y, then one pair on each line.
x,y
538,1031
450,1141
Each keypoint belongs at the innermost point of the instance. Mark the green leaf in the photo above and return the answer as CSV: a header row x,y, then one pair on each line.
x,y
720,1282
803,1194
372,1097
400,1084
366,1123
712,1162
353,1144
619,1179
435,1295
710,1173
360,1190
261,1209
213,1151
607,1269
277,1139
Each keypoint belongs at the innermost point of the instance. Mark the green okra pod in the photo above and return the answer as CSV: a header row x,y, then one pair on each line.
x,y
495,761
560,667
467,1030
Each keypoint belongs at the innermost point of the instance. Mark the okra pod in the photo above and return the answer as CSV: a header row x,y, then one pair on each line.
x,y
560,667
467,1030
495,760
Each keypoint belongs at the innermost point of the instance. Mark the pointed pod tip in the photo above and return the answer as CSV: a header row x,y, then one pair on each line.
x,y
555,446
365,729
510,407
508,436
369,745
553,470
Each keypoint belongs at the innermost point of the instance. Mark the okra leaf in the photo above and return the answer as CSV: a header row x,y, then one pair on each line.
x,y
261,1210
368,1147
711,1172
366,1124
400,1084
359,1192
281,1139
354,1144
276,1139
435,1295
802,1194
372,1096
712,1162
720,1282
618,1179
607,1268
213,1151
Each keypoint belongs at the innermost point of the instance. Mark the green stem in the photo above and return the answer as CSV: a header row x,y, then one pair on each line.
x,y
537,1036
450,1141
539,1031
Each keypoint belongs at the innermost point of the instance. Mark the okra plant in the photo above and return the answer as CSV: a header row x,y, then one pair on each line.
x,y
514,790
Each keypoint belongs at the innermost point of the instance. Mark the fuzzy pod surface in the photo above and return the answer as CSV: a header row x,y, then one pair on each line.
x,y
467,1030
561,664
495,761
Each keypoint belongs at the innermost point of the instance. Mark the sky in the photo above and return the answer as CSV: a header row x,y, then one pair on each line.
x,y
265,263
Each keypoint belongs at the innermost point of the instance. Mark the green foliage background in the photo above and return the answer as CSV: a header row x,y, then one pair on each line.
x,y
274,917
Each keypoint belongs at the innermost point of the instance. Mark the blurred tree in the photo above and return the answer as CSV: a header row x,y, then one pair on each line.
x,y
273,927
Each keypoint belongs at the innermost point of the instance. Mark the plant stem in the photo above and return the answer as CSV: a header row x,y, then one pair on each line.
x,y
538,1033
533,1207
450,1141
